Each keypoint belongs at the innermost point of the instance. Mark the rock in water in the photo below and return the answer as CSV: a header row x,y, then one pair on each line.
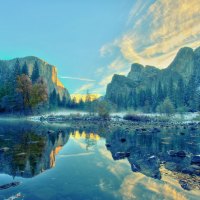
x,y
196,160
185,185
121,155
181,154
9,185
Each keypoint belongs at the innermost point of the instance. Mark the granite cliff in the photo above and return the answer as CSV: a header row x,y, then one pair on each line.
x,y
47,71
150,85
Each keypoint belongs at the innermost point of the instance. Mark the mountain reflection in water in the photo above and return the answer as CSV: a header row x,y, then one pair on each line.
x,y
29,149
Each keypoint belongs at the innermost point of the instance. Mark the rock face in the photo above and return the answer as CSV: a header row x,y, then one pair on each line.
x,y
34,157
184,66
47,71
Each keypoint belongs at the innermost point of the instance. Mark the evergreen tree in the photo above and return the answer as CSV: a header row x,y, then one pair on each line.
x,y
16,73
132,103
35,74
53,99
180,93
25,69
141,98
88,102
73,102
160,95
81,104
149,96
191,97
59,102
171,91
64,101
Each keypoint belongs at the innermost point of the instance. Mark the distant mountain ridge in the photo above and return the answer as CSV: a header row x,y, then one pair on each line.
x,y
84,97
150,85
47,71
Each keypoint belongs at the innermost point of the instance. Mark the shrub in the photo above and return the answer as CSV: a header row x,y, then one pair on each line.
x,y
136,118
166,107
103,109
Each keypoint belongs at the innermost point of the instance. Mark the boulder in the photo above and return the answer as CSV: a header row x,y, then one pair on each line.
x,y
121,155
135,167
181,154
185,185
123,140
196,160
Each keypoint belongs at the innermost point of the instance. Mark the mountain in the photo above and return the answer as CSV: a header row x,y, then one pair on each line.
x,y
148,86
47,71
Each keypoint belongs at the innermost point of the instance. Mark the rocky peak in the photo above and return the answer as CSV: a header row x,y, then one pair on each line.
x,y
136,67
197,51
184,62
136,72
140,73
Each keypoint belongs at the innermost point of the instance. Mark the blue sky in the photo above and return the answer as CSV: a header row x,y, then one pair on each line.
x,y
88,41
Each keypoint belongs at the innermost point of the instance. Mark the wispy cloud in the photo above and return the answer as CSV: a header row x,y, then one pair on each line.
x,y
100,70
107,49
155,31
84,88
77,78
155,35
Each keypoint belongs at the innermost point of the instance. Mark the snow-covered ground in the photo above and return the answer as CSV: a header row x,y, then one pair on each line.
x,y
57,113
187,117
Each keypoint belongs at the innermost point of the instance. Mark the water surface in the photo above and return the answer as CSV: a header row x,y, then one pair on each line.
x,y
59,162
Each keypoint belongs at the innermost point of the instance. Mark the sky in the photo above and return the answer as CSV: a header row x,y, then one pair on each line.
x,y
89,41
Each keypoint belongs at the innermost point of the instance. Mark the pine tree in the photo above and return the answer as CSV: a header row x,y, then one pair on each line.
x,y
53,98
191,96
81,104
35,74
160,95
64,101
171,91
25,69
180,93
16,73
17,70
59,102
149,100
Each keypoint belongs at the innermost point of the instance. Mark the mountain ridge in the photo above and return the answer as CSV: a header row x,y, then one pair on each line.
x,y
184,66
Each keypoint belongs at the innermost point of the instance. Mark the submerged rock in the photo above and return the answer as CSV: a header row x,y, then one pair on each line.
x,y
181,154
196,160
121,155
185,185
108,145
135,167
193,169
123,140
174,153
9,185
